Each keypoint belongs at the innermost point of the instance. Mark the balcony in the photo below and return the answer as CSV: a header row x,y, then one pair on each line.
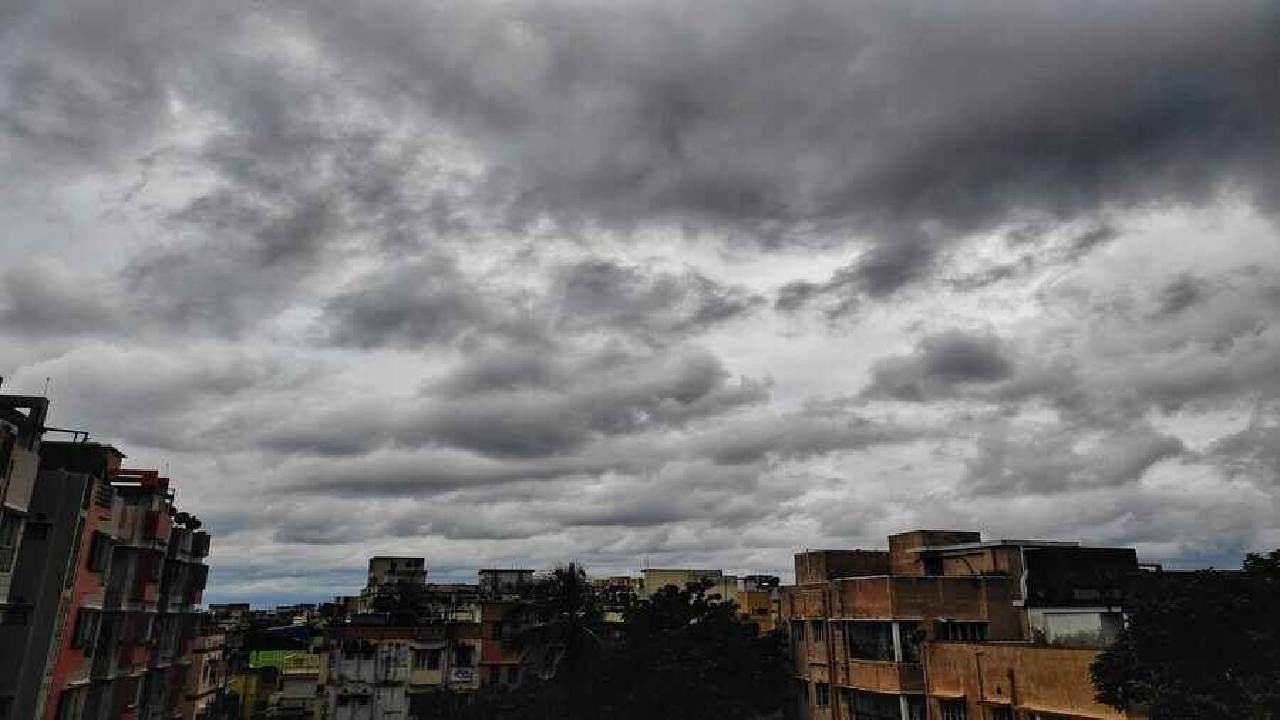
x,y
884,676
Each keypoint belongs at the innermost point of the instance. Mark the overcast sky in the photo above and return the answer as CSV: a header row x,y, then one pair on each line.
x,y
657,282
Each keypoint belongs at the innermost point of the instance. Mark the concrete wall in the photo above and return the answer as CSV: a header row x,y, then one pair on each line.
x,y
904,562
815,566
1031,678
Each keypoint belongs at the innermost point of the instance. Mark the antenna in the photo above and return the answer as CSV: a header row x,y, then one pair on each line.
x,y
46,386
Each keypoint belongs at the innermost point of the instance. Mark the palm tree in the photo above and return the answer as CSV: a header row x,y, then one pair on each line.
x,y
563,643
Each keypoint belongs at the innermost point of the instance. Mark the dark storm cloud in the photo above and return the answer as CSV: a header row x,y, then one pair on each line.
x,y
356,255
1047,460
601,294
412,305
798,436
912,113
939,364
526,403
428,302
610,393
905,123
46,299
1179,294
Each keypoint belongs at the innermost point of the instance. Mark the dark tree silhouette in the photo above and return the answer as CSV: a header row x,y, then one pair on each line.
x,y
676,655
1202,645
685,656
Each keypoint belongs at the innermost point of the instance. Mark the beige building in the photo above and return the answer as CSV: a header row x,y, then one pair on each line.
x,y
946,626
718,584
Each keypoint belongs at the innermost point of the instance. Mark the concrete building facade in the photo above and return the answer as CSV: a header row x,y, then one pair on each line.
x,y
867,627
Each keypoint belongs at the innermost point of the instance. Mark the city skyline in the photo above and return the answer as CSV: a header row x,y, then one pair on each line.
x,y
514,284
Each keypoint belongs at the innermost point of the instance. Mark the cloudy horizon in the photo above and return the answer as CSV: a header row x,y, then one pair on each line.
x,y
517,283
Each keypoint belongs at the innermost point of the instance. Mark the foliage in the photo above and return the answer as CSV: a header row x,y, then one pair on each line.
x,y
1202,645
675,655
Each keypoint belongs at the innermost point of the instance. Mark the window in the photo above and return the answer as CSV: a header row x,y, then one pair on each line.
x,y
1000,712
822,694
420,659
911,636
86,630
961,631
71,704
100,552
933,565
433,659
463,656
10,526
953,710
875,706
869,640
819,630
797,630
36,530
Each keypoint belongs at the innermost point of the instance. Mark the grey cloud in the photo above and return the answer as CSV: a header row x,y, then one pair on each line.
x,y
897,260
431,302
609,394
414,304
1046,460
798,436
170,399
1252,453
657,306
939,364
45,298
1179,294
913,113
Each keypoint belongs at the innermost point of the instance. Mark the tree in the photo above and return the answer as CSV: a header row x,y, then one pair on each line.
x,y
1202,645
676,655
683,655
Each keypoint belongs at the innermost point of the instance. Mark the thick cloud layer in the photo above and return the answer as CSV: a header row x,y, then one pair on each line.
x,y
522,282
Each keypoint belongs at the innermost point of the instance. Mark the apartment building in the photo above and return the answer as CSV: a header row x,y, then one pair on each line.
x,y
388,571
379,671
101,589
719,585
22,426
879,634
206,679
126,639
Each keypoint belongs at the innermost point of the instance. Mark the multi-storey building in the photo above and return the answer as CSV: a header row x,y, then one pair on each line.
x,y
206,680
504,582
386,573
380,671
716,583
21,428
877,634
126,640
102,590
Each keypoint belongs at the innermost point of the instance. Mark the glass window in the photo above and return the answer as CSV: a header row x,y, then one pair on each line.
x,y
822,694
953,710
961,631
876,706
869,640
100,552
86,630
10,525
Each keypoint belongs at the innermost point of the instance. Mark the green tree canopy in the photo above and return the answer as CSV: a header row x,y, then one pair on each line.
x,y
675,655
1203,645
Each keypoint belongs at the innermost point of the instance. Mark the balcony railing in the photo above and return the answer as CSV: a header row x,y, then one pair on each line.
x,y
884,676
